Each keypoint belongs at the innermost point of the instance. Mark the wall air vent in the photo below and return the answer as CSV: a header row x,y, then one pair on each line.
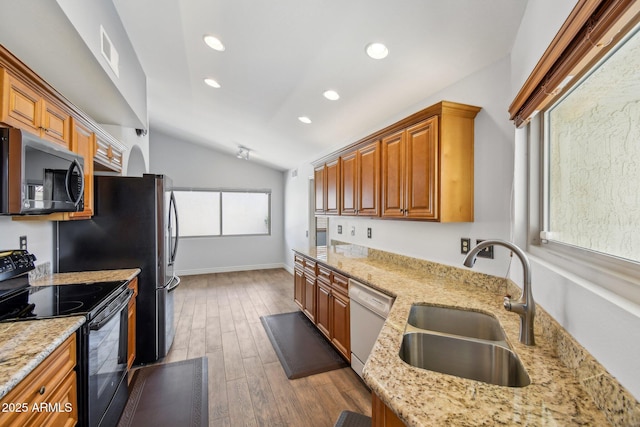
x,y
109,52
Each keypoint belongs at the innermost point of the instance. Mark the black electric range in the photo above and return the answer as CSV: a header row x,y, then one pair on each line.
x,y
40,302
102,340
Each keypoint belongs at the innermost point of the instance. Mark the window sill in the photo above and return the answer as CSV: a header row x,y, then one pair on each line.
x,y
614,279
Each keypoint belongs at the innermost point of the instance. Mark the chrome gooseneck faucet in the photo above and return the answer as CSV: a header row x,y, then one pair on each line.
x,y
524,306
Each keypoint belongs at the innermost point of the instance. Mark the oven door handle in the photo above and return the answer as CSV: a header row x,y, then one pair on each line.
x,y
103,319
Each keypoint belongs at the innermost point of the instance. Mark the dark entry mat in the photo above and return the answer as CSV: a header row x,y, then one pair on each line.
x,y
301,348
173,394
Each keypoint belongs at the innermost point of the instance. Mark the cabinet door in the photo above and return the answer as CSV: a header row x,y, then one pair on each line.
x,y
310,297
21,106
422,170
393,159
319,183
56,124
323,308
131,324
369,180
341,324
348,184
82,142
332,179
298,287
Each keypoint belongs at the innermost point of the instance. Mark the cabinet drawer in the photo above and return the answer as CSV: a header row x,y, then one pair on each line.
x,y
42,385
310,267
340,283
324,274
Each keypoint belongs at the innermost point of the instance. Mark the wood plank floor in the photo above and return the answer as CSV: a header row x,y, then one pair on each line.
x,y
218,316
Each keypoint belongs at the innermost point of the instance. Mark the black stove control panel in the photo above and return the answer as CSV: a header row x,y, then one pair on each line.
x,y
14,263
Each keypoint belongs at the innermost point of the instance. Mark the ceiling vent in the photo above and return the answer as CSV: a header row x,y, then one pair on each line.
x,y
109,51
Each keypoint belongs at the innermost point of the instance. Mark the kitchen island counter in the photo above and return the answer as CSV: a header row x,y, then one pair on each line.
x,y
568,386
25,344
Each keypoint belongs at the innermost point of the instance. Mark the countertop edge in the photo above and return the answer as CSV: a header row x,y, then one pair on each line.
x,y
69,327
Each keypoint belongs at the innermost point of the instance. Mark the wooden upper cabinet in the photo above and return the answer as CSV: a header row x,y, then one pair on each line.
x,y
409,172
360,181
349,184
369,180
422,170
108,154
332,187
327,188
82,143
319,183
24,108
418,168
393,176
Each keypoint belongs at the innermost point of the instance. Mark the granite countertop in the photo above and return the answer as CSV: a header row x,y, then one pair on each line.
x,y
86,277
556,395
25,344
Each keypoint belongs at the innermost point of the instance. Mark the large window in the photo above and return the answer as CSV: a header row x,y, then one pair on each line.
x,y
592,158
223,213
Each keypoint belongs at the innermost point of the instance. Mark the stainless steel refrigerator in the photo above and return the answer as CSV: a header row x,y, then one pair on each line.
x,y
134,225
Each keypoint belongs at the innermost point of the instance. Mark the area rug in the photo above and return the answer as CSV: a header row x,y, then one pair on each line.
x,y
301,348
171,394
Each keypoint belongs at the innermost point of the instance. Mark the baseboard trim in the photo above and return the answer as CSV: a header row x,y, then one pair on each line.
x,y
192,272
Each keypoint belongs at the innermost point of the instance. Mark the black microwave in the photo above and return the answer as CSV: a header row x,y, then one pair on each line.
x,y
38,177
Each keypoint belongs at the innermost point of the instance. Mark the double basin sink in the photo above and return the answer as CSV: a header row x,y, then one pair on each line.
x,y
464,343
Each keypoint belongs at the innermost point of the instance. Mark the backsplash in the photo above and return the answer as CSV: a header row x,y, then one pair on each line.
x,y
40,271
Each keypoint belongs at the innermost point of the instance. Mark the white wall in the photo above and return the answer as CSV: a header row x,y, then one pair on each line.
x,y
194,166
493,177
606,325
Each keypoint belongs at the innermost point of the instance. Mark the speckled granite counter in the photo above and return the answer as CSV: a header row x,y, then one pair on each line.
x,y
568,386
24,345
86,277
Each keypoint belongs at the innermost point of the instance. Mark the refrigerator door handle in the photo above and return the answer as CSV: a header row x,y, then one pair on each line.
x,y
175,282
173,210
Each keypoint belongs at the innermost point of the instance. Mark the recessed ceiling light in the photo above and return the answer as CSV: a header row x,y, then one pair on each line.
x,y
304,119
214,43
377,50
331,95
212,83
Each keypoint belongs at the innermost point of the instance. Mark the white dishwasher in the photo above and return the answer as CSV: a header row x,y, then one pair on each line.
x,y
369,309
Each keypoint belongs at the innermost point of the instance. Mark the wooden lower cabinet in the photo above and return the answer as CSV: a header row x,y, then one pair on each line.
x,y
381,415
340,331
48,395
298,289
324,308
309,307
131,324
328,306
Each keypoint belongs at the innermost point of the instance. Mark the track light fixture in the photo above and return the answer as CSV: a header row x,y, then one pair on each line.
x,y
243,153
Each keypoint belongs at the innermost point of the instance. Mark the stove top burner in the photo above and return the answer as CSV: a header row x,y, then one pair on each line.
x,y
59,300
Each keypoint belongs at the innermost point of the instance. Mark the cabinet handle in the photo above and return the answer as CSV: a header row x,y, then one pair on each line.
x,y
42,390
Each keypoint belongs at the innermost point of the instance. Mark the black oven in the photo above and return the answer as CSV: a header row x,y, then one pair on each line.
x,y
107,367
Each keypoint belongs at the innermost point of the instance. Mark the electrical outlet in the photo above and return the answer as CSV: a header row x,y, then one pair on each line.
x,y
465,245
369,232
486,252
339,229
23,243
353,230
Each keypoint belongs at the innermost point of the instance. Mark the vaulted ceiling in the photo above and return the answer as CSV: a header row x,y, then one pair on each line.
x,y
281,56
